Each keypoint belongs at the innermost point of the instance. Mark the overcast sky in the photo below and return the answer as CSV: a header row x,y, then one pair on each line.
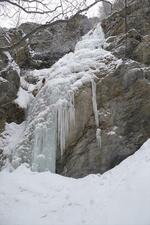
x,y
12,21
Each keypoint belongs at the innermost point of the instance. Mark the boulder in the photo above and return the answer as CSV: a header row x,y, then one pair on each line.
x,y
50,44
9,85
142,52
124,45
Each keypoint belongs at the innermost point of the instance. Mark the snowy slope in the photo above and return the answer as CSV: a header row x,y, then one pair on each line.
x,y
119,197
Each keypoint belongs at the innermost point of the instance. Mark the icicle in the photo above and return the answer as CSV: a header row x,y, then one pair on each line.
x,y
44,146
65,121
98,137
94,102
71,110
98,130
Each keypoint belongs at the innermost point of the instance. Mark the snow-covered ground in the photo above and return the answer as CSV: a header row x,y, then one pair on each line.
x,y
119,197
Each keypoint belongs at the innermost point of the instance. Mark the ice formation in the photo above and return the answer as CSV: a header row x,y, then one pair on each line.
x,y
65,121
96,115
94,101
98,137
51,114
52,134
44,149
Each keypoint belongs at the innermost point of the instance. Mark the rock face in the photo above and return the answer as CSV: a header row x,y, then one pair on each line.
x,y
123,104
122,90
142,52
122,97
50,44
134,44
9,85
46,46
138,17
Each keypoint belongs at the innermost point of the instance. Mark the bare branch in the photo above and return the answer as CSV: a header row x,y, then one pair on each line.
x,y
29,7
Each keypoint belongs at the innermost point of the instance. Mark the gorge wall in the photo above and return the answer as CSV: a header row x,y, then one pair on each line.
x,y
122,91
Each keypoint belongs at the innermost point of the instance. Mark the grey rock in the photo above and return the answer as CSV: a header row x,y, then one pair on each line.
x,y
9,85
124,45
131,76
52,43
142,52
45,46
138,17
124,107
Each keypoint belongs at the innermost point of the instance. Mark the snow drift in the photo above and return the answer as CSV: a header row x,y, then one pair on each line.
x,y
120,196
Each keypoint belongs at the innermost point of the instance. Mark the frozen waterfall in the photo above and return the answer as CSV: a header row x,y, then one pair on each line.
x,y
51,114
52,135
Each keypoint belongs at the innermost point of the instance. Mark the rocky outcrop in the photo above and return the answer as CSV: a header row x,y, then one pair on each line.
x,y
135,43
47,45
9,85
124,45
50,44
122,94
122,98
137,14
142,52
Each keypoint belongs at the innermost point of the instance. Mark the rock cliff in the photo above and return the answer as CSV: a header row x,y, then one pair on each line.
x,y
122,96
121,73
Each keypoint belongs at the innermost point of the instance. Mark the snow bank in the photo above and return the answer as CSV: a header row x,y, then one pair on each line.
x,y
119,197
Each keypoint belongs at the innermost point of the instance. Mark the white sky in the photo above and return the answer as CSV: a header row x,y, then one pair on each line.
x,y
12,21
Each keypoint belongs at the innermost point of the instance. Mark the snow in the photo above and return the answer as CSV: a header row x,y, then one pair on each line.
x,y
3,80
11,137
120,196
99,138
12,63
23,98
113,131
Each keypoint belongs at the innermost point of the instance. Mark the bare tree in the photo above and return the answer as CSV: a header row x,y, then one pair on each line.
x,y
118,5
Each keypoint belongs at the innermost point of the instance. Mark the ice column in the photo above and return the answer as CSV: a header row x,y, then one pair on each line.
x,y
98,137
44,149
94,101
53,134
